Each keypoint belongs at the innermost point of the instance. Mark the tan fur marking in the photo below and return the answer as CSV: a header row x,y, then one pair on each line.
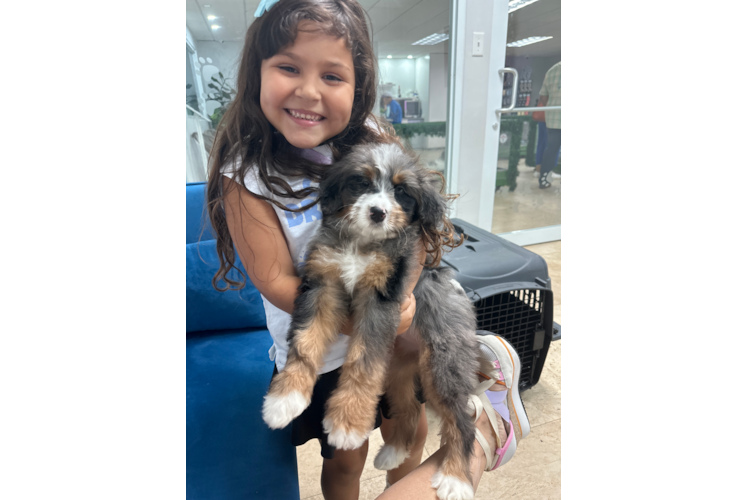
x,y
370,172
398,218
321,264
352,406
294,377
376,274
399,177
300,373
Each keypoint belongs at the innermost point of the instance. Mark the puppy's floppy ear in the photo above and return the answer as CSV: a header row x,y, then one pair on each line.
x,y
432,206
330,196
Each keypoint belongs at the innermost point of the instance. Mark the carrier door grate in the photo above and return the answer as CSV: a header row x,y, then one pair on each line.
x,y
515,315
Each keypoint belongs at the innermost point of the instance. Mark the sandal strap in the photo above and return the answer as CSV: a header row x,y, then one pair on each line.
x,y
478,434
483,386
481,402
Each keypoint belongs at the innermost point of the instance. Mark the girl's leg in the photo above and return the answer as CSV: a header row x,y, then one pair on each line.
x,y
417,484
342,473
388,429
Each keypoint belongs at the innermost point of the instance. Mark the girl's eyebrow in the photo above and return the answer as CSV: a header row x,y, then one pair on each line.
x,y
331,64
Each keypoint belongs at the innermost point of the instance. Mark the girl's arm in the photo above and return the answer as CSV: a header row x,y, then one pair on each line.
x,y
408,306
259,240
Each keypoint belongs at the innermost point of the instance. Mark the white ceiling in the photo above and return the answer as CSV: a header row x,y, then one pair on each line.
x,y
396,24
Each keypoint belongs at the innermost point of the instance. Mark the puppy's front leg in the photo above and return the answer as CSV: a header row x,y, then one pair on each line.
x,y
320,311
351,409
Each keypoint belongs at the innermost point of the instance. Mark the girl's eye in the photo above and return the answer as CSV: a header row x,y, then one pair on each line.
x,y
288,69
332,78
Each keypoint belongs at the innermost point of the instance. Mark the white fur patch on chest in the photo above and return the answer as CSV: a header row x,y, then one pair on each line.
x,y
352,265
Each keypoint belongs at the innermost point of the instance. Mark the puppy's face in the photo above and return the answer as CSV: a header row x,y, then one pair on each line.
x,y
376,191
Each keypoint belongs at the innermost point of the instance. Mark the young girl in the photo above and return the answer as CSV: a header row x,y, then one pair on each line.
x,y
306,88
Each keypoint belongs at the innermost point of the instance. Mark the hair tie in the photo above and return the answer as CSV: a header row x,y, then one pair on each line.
x,y
264,7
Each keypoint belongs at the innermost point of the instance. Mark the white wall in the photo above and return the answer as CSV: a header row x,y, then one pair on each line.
x,y
214,57
472,172
422,85
438,71
401,72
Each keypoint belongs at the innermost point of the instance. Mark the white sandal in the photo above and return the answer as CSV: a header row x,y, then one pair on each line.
x,y
506,370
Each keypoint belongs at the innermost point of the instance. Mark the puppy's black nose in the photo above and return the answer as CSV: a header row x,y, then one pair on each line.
x,y
377,214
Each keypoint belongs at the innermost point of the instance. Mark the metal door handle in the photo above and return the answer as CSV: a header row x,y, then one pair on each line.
x,y
514,89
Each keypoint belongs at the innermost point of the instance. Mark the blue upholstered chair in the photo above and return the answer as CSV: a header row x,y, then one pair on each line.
x,y
231,453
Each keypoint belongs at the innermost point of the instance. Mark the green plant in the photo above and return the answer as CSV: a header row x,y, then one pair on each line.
x,y
408,130
223,91
215,118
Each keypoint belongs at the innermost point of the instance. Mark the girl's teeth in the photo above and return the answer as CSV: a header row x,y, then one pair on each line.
x,y
306,117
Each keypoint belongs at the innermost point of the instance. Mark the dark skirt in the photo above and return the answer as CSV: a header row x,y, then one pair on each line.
x,y
308,425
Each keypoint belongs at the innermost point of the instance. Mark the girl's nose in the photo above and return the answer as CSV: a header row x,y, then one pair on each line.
x,y
308,90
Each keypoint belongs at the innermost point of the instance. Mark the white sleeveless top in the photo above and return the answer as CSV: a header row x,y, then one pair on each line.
x,y
298,229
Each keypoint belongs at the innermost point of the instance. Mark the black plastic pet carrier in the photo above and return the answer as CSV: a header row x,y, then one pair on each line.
x,y
511,290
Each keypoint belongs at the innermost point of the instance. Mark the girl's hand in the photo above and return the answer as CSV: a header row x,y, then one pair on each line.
x,y
407,340
407,311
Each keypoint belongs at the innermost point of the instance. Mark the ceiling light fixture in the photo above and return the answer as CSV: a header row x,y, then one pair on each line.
x,y
210,18
528,41
410,57
389,57
214,26
518,4
432,39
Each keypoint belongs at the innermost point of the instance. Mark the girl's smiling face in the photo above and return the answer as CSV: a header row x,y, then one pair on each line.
x,y
307,88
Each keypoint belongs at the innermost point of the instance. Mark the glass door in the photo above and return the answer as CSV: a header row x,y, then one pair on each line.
x,y
527,203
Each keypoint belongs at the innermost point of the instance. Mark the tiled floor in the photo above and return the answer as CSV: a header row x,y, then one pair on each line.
x,y
535,470
527,206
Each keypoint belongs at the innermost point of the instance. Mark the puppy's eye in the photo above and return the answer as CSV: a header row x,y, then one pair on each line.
x,y
399,190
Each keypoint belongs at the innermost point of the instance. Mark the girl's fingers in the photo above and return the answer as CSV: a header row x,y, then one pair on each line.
x,y
407,311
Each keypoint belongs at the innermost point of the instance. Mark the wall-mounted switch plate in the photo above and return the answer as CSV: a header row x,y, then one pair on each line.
x,y
477,44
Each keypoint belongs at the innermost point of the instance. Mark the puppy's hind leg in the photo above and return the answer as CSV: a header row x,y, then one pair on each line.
x,y
448,366
401,396
319,314
447,388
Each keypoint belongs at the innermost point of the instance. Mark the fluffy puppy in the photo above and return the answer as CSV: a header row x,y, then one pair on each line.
x,y
377,203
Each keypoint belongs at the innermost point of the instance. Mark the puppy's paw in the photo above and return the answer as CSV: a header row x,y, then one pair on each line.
x,y
343,440
390,457
451,487
279,411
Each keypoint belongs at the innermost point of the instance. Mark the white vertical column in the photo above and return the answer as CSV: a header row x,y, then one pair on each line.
x,y
475,94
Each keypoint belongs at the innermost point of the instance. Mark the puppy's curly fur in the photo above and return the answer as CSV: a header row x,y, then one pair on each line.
x,y
377,204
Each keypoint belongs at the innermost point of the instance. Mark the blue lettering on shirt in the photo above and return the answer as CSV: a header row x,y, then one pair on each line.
x,y
310,215
302,259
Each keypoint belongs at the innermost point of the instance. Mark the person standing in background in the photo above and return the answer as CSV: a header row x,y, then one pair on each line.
x,y
542,139
550,95
392,110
